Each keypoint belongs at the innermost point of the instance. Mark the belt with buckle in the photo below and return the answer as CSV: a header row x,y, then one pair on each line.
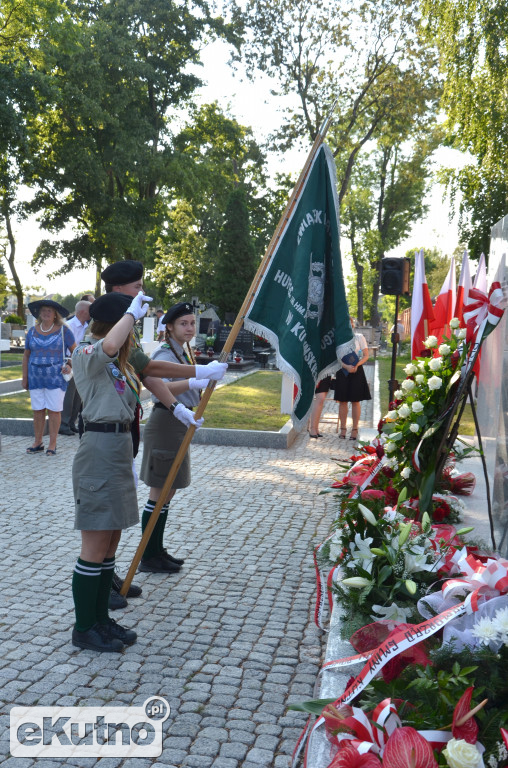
x,y
158,404
102,426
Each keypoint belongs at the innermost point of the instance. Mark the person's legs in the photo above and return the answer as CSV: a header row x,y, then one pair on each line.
x,y
65,425
356,409
315,416
39,421
154,555
343,409
54,418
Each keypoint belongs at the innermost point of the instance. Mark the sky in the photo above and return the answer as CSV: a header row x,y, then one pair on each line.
x,y
252,105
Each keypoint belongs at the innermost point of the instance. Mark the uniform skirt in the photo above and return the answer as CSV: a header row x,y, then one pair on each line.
x,y
324,385
162,437
104,489
351,388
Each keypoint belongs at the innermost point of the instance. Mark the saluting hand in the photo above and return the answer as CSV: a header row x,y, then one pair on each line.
x,y
139,306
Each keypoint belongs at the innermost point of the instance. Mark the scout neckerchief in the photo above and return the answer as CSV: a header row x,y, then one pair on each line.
x,y
189,357
120,380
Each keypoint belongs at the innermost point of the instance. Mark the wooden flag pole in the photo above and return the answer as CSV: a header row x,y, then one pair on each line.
x,y
228,346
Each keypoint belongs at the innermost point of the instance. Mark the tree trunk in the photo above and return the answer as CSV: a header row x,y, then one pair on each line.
x,y
12,266
375,317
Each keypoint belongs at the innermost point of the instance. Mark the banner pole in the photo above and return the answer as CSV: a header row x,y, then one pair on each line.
x,y
228,346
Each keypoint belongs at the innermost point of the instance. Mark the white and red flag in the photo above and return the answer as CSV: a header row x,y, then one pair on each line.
x,y
480,279
463,287
445,305
422,312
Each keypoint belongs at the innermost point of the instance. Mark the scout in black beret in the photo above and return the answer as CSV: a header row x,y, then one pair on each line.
x,y
36,306
178,310
110,307
122,273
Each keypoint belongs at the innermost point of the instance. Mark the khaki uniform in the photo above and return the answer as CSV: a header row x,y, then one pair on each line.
x,y
163,434
103,482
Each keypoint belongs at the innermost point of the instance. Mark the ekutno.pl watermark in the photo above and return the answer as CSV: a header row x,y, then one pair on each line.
x,y
88,731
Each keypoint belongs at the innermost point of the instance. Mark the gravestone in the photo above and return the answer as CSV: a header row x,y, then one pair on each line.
x,y
244,341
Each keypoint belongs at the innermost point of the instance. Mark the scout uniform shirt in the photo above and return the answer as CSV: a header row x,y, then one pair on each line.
x,y
105,393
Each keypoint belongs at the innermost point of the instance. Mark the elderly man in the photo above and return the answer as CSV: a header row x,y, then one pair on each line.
x,y
72,402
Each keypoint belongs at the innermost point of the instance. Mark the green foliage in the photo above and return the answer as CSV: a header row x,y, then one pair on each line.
x,y
15,319
472,39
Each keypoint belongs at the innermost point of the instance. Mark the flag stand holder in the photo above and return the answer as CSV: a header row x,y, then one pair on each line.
x,y
228,346
393,384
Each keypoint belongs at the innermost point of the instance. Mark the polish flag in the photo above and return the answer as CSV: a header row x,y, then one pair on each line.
x,y
445,305
480,279
465,284
422,313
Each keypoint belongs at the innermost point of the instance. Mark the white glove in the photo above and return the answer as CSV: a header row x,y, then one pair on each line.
x,y
214,370
186,416
198,383
138,306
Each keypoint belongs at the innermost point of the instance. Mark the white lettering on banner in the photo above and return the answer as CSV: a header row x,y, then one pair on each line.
x,y
285,281
289,318
299,331
308,356
313,217
327,339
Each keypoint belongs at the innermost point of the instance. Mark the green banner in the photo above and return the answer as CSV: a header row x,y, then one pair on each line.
x,y
300,306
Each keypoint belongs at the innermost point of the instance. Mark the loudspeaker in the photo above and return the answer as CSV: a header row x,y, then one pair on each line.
x,y
395,276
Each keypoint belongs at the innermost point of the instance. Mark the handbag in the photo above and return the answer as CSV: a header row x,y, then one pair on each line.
x,y
67,376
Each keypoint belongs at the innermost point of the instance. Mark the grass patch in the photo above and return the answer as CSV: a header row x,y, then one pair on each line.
x,y
11,372
12,357
385,372
16,406
252,402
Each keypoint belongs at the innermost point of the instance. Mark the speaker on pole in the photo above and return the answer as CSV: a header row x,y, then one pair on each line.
x,y
395,276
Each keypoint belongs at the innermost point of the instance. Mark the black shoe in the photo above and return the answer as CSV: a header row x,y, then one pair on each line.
x,y
157,564
97,638
74,429
116,601
133,591
115,631
65,431
167,556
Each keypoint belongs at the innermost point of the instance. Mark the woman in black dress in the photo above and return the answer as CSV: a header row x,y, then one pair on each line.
x,y
351,387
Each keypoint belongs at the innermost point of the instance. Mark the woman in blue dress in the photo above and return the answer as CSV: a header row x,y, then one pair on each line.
x,y
44,362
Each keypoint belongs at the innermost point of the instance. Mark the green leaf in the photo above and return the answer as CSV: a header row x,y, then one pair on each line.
x,y
314,706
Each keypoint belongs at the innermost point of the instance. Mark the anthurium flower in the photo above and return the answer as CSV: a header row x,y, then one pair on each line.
x,y
349,757
406,748
334,718
463,728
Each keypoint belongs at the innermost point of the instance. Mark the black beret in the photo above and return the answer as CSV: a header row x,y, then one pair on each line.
x,y
123,272
36,306
178,310
110,307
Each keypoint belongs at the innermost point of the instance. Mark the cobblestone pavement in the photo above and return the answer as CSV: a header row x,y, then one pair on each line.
x,y
229,641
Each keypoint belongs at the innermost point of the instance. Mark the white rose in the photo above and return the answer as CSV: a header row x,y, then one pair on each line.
x,y
404,411
460,754
410,369
408,385
421,365
392,416
430,342
420,378
436,363
435,382
398,394
454,322
417,407
444,349
414,427
461,333
390,447
406,473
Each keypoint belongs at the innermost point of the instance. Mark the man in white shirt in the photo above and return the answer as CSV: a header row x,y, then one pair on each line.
x,y
161,328
72,402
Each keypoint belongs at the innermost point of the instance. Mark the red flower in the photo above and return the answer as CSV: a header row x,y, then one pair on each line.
x,y
388,472
380,451
440,512
463,725
349,757
406,748
391,496
334,718
370,493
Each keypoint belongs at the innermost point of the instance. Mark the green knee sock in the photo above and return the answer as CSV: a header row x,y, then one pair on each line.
x,y
85,586
107,572
152,547
163,518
